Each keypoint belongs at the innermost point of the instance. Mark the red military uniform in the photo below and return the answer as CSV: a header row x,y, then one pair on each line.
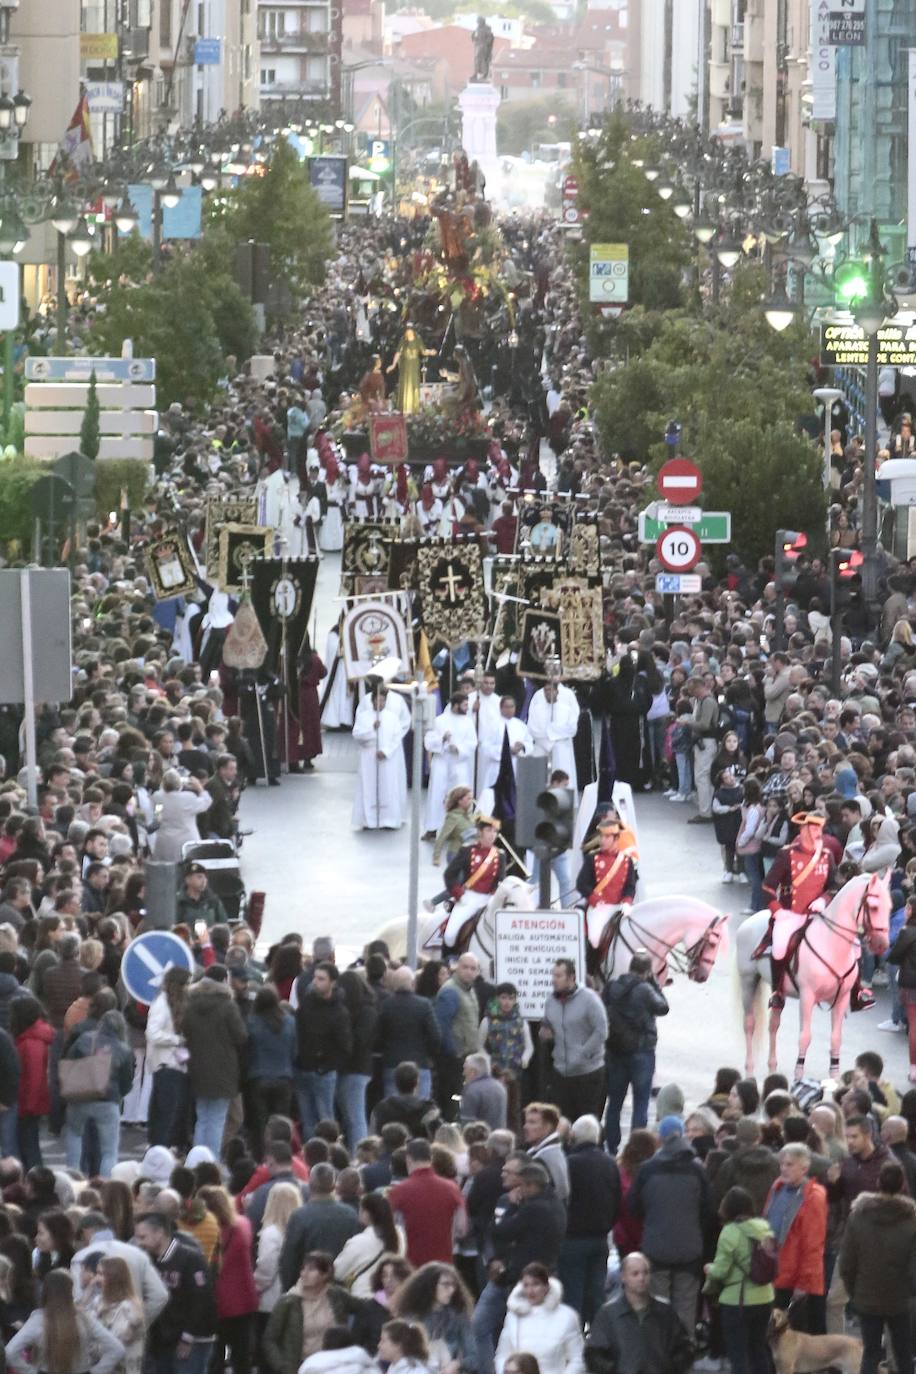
x,y
612,879
476,868
798,877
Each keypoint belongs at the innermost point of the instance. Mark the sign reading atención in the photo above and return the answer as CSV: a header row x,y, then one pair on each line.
x,y
528,944
846,345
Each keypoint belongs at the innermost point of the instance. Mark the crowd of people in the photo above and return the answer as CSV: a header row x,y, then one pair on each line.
x,y
386,1171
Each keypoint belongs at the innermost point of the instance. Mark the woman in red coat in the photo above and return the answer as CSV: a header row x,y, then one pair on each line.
x,y
797,1212
33,1036
236,1294
305,735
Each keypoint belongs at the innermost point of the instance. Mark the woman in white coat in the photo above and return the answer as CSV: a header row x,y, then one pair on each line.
x,y
539,1322
176,808
354,1267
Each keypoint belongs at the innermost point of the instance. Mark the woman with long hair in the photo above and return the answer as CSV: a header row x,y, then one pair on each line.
x,y
405,1347
386,1279
58,1339
236,1294
282,1200
167,1060
272,1050
628,1226
110,1035
17,1285
436,1297
54,1242
117,1305
285,967
118,1207
356,1262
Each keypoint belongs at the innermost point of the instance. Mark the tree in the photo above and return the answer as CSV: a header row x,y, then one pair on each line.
x,y
737,388
282,210
90,434
519,124
623,207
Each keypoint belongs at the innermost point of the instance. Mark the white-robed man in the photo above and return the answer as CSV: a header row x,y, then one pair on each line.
x,y
553,718
484,708
451,742
382,721
491,748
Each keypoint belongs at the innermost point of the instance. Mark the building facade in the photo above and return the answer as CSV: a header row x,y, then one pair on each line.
x,y
300,45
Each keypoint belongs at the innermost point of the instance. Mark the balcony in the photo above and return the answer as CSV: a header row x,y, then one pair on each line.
x,y
305,42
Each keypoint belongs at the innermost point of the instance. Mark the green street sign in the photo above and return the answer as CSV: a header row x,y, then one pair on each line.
x,y
715,527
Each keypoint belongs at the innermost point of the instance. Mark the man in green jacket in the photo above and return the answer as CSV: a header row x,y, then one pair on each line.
x,y
301,1317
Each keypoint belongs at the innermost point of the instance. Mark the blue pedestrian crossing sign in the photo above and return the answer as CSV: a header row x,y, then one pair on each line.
x,y
147,960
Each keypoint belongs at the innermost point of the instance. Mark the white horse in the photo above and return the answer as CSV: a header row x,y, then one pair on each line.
x,y
828,964
512,894
683,930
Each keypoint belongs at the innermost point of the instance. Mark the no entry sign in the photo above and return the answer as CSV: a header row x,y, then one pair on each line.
x,y
680,481
678,550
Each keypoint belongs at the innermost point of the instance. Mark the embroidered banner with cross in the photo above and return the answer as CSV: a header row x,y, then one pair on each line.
x,y
450,579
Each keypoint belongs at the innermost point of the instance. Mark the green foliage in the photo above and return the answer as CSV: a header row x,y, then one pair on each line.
x,y
188,317
90,433
282,210
738,389
112,475
17,476
15,427
623,207
520,124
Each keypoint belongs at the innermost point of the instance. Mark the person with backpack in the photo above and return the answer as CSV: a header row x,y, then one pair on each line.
x,y
740,1279
633,1003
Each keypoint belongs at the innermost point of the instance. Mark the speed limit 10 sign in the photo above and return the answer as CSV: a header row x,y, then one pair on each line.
x,y
678,550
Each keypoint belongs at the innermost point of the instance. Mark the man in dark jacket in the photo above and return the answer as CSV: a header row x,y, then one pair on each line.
x,y
858,1173
530,1229
752,1167
592,1207
223,788
182,1334
894,1133
407,1030
214,1034
671,1194
420,1115
633,1003
325,1036
322,1223
636,1333
876,1262
378,1174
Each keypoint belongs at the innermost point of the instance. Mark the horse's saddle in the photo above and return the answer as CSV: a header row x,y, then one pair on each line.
x,y
463,938
608,937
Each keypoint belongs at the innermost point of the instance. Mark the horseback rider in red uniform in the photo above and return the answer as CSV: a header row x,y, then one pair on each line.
x,y
802,876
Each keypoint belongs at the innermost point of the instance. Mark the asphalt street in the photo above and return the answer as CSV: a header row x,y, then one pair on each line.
x,y
321,877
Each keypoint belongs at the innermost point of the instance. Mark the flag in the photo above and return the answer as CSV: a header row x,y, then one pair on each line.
x,y
75,151
504,791
424,664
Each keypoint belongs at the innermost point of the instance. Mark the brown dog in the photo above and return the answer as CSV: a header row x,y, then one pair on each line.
x,y
795,1352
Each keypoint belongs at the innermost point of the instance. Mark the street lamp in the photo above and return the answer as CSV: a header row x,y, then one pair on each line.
x,y
170,195
728,251
779,312
80,238
126,217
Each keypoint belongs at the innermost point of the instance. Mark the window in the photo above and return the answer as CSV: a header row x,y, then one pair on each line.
x,y
504,92
165,24
535,81
268,76
561,78
271,23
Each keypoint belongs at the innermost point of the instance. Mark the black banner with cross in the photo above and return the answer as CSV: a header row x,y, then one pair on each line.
x,y
450,579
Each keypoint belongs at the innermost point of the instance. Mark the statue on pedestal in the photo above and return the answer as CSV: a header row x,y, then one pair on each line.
x,y
483,50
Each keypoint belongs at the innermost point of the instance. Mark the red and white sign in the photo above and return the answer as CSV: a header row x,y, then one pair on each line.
x,y
570,208
678,549
570,188
680,481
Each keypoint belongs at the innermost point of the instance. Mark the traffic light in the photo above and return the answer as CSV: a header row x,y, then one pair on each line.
x,y
851,282
845,565
556,819
789,544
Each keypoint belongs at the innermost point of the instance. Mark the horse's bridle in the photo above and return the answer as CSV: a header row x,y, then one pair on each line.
x,y
693,956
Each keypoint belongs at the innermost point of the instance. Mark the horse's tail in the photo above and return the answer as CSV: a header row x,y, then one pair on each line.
x,y
757,1005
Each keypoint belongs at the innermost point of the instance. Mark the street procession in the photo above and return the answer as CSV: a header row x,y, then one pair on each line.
x,y
458,708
